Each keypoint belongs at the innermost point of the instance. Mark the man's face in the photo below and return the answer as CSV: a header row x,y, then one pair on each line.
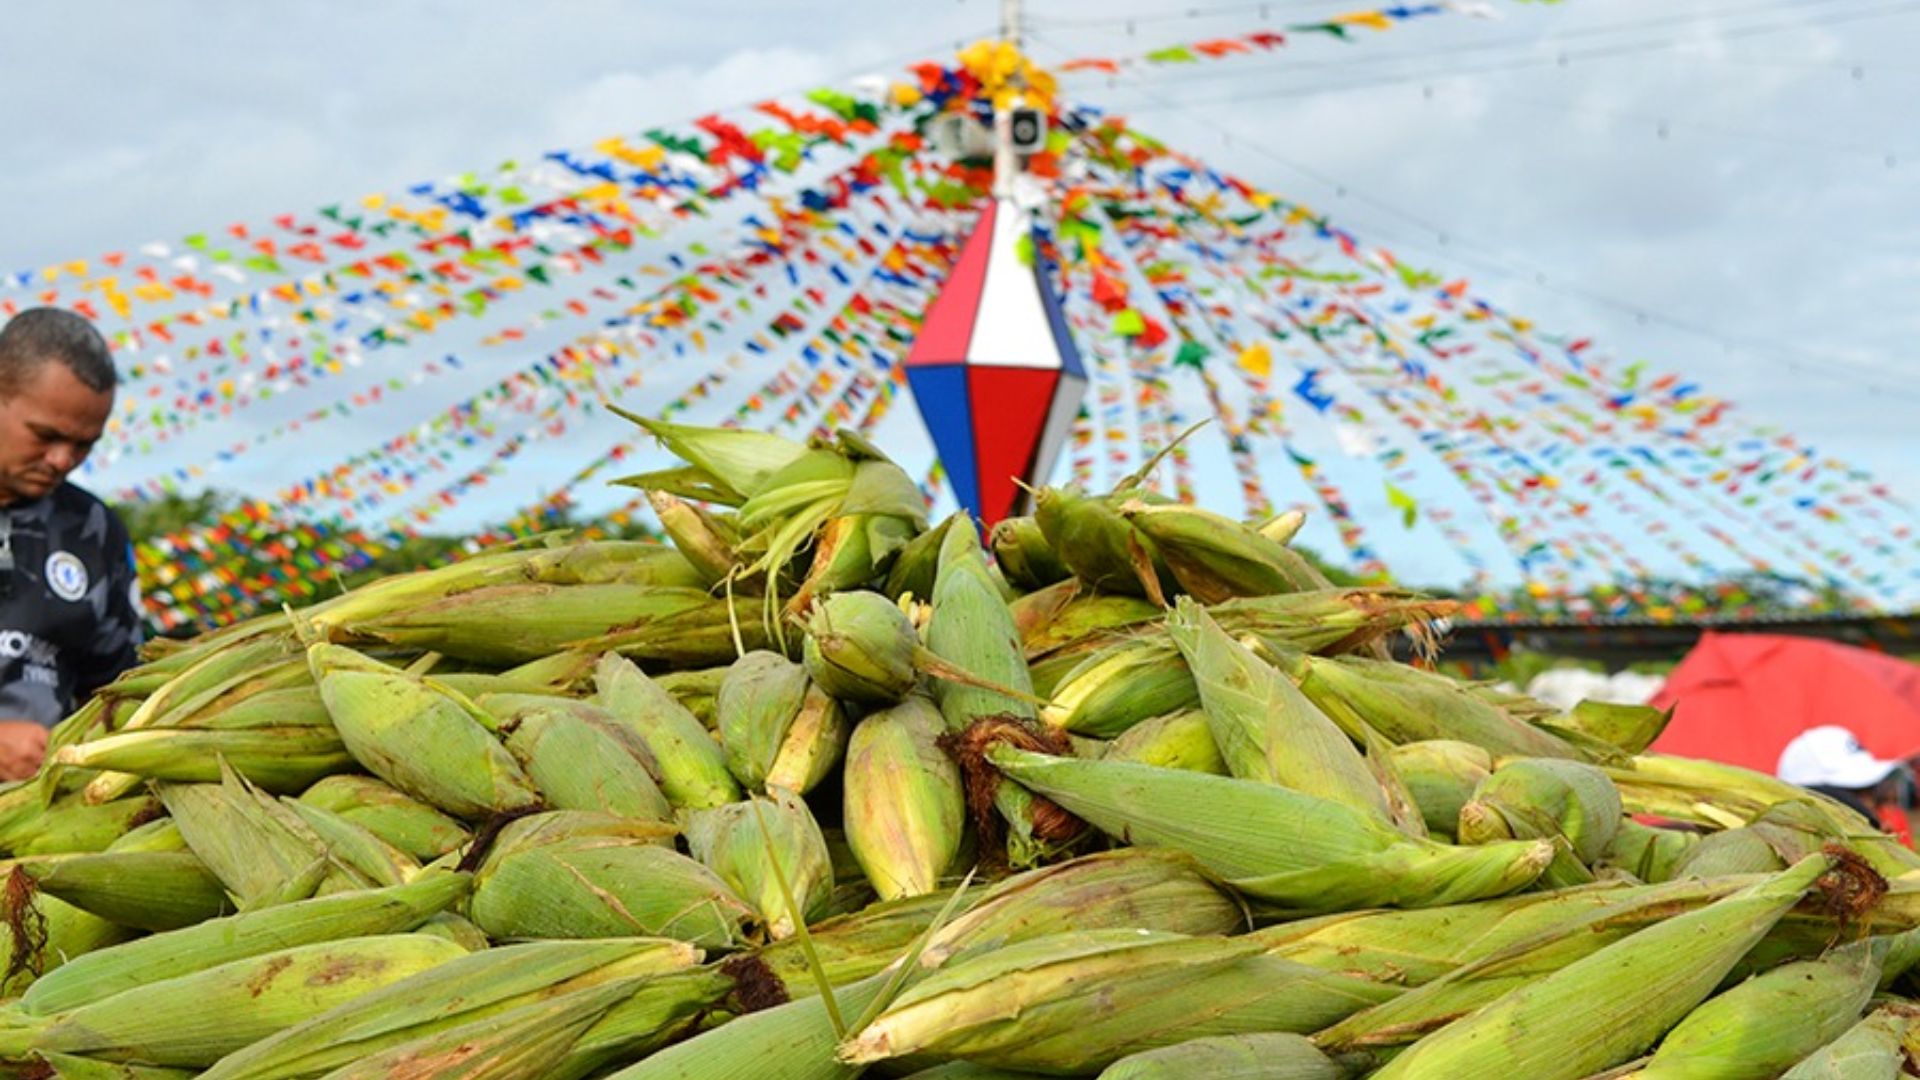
x,y
47,428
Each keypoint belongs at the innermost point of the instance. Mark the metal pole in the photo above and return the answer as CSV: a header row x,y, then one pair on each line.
x,y
1006,165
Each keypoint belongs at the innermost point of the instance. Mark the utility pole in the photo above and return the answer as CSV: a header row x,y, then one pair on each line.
x,y
1006,164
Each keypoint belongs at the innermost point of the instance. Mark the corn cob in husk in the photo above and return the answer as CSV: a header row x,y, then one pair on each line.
x,y
1441,775
261,851
1545,799
419,739
861,648
1108,691
283,760
767,850
1648,852
905,807
406,823
193,1020
1099,545
1265,1056
1265,728
1607,1008
1296,851
146,890
692,767
1764,1025
776,727
971,630
1075,1003
794,1041
97,975
1406,705
1870,1050
1215,558
1180,740
1068,617
1021,551
474,988
69,1067
578,758
594,887
41,934
71,824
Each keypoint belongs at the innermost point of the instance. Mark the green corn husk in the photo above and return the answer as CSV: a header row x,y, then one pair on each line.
x,y
776,726
1180,740
967,1070
1332,622
147,890
1332,857
1406,705
566,826
1733,851
193,1020
1021,551
1111,690
1266,1056
72,825
577,763
262,852
971,630
1870,1050
419,739
1075,1003
41,934
695,691
279,707
855,549
1098,544
905,805
510,624
707,542
1609,1007
861,648
917,566
476,988
662,1011
457,929
1441,774
522,1044
1761,1027
693,768
407,824
357,849
160,834
1216,558
1714,793
597,887
1265,727
795,1041
1627,728
1479,957
1129,888
848,947
740,841
99,975
277,759
736,462
1544,799
68,1067
1650,853
1067,616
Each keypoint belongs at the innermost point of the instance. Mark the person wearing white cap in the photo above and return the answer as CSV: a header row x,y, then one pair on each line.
x,y
1829,760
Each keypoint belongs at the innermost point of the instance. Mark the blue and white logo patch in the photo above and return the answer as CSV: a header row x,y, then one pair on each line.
x,y
66,575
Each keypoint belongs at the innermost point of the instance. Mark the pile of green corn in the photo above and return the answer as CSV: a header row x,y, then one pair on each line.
x,y
821,790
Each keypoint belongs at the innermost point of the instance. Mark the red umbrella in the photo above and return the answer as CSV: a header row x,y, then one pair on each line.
x,y
1740,698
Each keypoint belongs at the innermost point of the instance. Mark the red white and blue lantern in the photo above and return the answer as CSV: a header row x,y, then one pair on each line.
x,y
994,370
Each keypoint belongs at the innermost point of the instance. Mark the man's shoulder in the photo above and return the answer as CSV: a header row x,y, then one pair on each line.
x,y
73,503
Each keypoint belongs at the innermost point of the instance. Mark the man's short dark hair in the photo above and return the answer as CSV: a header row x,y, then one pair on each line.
x,y
39,335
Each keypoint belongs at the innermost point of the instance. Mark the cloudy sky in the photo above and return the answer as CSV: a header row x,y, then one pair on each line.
x,y
1723,187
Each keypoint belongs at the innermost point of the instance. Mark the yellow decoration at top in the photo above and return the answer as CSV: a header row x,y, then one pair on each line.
x,y
1005,74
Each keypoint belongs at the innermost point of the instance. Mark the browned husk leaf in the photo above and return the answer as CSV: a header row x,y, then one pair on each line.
x,y
25,923
982,780
487,833
755,986
1851,889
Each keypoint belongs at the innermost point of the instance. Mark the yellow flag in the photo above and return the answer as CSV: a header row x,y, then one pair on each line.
x,y
1257,359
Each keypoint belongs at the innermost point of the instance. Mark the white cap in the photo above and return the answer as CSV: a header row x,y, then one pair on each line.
x,y
1831,756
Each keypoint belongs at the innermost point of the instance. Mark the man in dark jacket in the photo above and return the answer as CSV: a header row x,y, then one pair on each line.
x,y
69,600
